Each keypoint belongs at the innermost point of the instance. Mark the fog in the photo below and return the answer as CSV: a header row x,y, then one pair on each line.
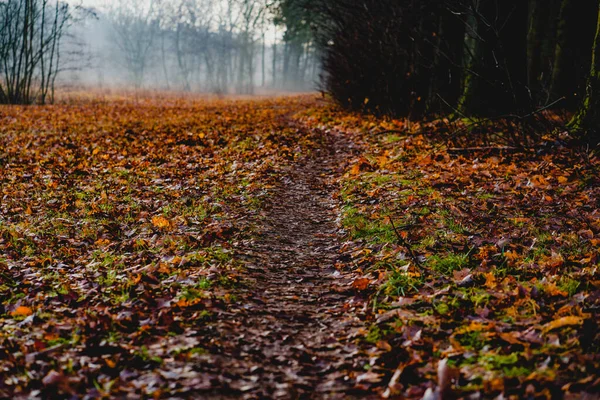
x,y
203,46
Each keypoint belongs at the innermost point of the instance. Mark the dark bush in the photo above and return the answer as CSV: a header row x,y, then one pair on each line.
x,y
378,55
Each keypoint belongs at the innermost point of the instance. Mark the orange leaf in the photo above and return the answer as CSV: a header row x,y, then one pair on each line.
x,y
22,311
161,222
490,280
102,242
383,159
361,283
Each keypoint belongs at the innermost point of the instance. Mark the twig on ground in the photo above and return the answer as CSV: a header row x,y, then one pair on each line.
x,y
404,243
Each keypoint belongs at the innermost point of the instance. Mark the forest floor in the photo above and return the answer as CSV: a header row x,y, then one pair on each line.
x,y
173,247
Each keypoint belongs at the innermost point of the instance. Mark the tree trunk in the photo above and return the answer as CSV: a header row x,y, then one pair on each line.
x,y
541,45
496,81
274,65
262,61
571,55
560,71
448,59
587,119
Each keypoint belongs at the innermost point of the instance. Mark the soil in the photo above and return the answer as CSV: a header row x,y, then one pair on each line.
x,y
294,333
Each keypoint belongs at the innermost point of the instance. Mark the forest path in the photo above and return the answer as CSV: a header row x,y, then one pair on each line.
x,y
291,336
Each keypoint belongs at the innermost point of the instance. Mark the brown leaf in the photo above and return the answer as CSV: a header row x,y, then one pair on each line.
x,y
53,378
361,283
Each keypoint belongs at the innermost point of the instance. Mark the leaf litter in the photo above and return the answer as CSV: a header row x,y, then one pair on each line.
x,y
175,248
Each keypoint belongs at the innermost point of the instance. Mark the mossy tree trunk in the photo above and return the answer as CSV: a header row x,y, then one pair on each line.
x,y
587,120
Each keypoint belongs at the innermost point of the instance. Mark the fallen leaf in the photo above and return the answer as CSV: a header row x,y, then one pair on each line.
x,y
22,311
561,322
369,377
161,222
361,283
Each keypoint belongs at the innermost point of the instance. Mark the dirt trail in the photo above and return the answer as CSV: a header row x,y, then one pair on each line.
x,y
291,337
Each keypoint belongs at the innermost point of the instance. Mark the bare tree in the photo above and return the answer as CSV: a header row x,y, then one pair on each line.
x,y
252,18
192,35
31,34
135,24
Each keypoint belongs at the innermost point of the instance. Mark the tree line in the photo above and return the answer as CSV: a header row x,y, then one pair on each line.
x,y
218,46
487,58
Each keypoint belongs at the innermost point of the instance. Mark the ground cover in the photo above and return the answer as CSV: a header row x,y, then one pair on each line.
x,y
480,263
174,247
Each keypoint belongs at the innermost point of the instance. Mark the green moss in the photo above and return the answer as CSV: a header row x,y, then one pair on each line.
x,y
203,284
145,356
374,335
471,340
426,242
442,308
394,138
479,298
568,285
361,227
401,283
379,179
516,372
498,361
448,263
485,196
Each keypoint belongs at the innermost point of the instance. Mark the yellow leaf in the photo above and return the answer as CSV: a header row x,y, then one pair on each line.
x,y
553,290
564,321
563,179
161,222
490,280
383,159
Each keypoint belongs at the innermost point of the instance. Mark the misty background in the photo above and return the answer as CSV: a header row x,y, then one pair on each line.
x,y
408,58
208,46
